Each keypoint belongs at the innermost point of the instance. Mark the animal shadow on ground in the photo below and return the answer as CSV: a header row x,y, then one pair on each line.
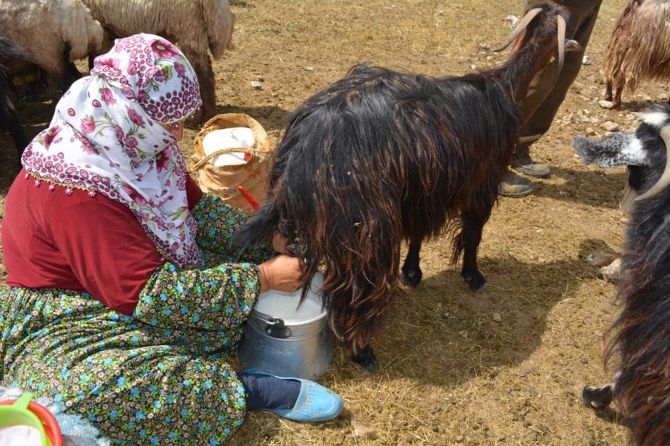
x,y
591,188
440,333
637,106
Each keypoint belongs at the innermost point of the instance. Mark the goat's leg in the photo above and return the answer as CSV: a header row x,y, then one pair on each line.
x,y
608,90
598,397
366,358
468,242
616,102
363,356
411,271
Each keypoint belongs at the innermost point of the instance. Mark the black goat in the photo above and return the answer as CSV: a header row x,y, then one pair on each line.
x,y
13,60
640,337
381,157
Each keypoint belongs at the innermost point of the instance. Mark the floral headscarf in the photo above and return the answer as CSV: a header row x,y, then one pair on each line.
x,y
105,137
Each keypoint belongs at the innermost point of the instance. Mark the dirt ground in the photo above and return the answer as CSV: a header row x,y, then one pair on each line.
x,y
502,367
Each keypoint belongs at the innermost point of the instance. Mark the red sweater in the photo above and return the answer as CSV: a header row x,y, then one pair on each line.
x,y
79,242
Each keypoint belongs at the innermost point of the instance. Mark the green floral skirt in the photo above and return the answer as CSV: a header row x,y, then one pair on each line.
x,y
160,376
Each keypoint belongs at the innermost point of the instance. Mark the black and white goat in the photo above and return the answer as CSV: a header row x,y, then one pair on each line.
x,y
381,157
639,345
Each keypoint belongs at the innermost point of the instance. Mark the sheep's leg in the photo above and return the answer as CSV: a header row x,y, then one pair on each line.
x,y
9,119
73,74
468,241
11,122
20,140
411,271
202,65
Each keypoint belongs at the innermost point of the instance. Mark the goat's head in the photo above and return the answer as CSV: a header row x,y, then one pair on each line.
x,y
644,152
522,32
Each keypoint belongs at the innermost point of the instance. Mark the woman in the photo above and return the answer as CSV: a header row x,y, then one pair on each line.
x,y
125,297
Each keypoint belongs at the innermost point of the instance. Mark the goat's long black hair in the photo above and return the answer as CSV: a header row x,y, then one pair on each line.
x,y
641,334
377,156
639,340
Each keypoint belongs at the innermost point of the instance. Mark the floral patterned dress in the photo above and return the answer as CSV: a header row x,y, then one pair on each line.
x,y
159,376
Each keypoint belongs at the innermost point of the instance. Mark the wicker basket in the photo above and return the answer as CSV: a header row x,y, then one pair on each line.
x,y
224,180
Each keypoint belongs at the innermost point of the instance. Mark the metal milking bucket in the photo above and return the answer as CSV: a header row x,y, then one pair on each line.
x,y
288,338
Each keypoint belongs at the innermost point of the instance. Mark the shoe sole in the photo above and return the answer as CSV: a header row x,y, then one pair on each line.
x,y
532,173
516,194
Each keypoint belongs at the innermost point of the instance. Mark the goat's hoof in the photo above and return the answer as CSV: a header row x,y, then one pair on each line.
x,y
597,397
476,282
411,277
366,358
607,104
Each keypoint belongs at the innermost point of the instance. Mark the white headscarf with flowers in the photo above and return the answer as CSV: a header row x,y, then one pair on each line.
x,y
106,137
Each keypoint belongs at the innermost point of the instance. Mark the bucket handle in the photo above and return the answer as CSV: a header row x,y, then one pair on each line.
x,y
207,158
275,326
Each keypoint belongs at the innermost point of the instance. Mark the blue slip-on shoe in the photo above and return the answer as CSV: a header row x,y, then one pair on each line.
x,y
315,403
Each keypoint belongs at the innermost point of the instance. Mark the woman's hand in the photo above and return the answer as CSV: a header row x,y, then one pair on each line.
x,y
281,273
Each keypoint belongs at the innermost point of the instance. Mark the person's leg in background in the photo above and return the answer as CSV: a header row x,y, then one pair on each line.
x,y
546,94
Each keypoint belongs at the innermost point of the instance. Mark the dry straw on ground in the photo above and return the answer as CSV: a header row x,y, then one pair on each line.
x,y
502,367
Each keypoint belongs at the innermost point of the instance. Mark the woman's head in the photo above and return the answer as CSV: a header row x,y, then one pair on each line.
x,y
154,73
116,131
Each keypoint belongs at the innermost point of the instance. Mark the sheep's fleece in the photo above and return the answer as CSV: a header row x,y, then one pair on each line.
x,y
196,25
48,28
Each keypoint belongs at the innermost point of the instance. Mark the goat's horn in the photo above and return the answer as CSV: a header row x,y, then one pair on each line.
x,y
520,26
664,181
561,42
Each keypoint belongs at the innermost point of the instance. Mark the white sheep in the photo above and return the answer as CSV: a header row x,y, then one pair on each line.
x,y
196,26
54,32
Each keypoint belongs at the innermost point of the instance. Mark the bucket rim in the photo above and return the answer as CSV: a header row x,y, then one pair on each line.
x,y
288,322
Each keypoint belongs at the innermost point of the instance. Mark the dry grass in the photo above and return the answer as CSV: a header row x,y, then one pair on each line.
x,y
502,367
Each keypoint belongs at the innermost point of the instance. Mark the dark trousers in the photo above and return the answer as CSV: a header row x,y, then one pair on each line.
x,y
548,89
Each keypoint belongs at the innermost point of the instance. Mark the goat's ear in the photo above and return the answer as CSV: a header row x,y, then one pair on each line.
x,y
572,45
618,149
